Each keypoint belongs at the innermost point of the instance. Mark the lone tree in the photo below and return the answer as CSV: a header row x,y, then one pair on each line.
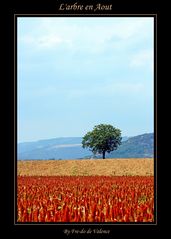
x,y
103,138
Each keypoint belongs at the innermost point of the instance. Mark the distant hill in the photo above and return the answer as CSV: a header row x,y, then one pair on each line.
x,y
141,146
71,148
58,148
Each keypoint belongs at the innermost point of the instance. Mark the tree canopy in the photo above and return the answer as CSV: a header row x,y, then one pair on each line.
x,y
103,138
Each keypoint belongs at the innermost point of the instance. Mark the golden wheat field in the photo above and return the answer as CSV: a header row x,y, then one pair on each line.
x,y
87,167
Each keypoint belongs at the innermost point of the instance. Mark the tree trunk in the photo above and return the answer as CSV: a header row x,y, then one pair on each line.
x,y
103,154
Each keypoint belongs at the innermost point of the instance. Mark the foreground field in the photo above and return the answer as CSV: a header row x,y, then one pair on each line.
x,y
89,167
85,199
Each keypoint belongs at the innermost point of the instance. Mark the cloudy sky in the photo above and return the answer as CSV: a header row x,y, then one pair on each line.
x,y
77,72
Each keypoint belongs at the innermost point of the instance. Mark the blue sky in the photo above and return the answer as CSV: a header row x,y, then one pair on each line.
x,y
77,72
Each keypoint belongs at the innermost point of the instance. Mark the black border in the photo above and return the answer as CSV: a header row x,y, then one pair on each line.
x,y
48,8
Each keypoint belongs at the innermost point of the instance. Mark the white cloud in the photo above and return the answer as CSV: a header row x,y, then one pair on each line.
x,y
108,89
86,34
49,41
41,42
142,58
125,87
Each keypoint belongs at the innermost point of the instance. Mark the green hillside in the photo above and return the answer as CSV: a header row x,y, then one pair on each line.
x,y
141,146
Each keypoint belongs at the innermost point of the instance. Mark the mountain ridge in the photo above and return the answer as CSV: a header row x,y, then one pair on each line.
x,y
71,148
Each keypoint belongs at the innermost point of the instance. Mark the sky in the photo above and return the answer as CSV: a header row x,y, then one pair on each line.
x,y
77,72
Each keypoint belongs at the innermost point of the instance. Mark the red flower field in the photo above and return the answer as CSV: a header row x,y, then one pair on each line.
x,y
85,199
